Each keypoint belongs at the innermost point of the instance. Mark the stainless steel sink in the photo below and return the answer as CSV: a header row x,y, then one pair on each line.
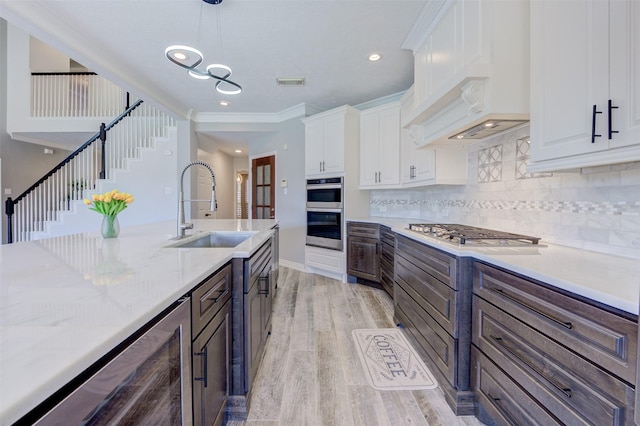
x,y
218,239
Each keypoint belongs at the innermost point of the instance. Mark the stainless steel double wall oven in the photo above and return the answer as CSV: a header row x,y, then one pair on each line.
x,y
325,213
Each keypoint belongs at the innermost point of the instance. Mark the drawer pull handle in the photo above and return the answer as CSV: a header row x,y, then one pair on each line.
x,y
500,342
611,108
222,294
203,379
497,402
593,124
503,293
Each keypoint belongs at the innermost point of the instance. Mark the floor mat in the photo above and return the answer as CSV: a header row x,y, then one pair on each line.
x,y
389,361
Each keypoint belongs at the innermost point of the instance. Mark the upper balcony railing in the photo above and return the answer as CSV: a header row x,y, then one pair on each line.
x,y
75,94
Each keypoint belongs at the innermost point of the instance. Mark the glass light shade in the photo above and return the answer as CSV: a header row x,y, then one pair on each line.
x,y
184,56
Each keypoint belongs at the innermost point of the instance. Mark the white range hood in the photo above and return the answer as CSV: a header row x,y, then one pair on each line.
x,y
471,72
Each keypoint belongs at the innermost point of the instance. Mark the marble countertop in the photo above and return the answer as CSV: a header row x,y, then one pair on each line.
x,y
66,301
608,279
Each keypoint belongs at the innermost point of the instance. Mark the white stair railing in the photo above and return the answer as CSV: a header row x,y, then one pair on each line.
x,y
136,128
82,94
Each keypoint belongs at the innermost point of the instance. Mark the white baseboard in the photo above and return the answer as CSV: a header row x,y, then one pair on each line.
x,y
292,265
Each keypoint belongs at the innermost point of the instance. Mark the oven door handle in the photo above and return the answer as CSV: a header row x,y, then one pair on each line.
x,y
310,209
325,186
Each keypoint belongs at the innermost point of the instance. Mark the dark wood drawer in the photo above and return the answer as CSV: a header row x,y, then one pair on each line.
x,y
388,252
208,298
570,387
256,263
435,297
600,336
434,340
433,262
387,236
386,275
504,400
387,267
364,230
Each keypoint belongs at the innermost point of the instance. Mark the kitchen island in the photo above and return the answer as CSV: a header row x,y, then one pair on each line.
x,y
65,302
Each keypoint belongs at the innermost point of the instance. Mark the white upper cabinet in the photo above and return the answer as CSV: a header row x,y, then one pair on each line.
x,y
585,83
326,137
380,146
433,164
471,64
418,164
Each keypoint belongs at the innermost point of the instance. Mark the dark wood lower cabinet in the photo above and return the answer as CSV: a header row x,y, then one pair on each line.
x,y
433,305
387,259
211,360
363,250
253,291
505,401
556,354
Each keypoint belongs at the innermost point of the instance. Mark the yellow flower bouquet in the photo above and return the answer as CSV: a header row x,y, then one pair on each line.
x,y
109,205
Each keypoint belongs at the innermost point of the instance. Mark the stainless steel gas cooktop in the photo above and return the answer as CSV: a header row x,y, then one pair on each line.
x,y
470,235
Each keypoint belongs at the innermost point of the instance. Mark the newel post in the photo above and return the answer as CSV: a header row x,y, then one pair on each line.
x,y
8,209
103,140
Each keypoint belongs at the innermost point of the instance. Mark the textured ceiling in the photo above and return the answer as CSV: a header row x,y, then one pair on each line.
x,y
325,41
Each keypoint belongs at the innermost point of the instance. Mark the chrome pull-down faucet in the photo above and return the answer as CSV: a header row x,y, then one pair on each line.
x,y
182,225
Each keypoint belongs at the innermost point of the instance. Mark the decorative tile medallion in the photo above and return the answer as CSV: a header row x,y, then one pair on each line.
x,y
522,158
490,164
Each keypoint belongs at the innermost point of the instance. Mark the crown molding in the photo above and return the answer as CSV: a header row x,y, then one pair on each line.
x,y
394,97
430,15
296,111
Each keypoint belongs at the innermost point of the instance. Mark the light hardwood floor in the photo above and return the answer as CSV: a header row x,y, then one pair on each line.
x,y
311,373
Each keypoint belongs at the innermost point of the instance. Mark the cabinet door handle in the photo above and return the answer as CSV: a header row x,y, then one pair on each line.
x,y
500,342
611,107
565,324
203,379
498,404
264,279
220,296
593,124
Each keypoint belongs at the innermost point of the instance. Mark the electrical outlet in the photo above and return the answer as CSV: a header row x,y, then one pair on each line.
x,y
168,190
383,208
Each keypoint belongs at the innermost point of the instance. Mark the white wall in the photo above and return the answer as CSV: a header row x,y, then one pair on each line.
x,y
19,87
597,208
290,207
43,58
223,168
3,113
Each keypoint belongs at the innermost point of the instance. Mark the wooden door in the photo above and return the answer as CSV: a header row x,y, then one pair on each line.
x,y
263,201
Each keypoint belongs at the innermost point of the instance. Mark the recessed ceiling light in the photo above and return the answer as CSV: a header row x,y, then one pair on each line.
x,y
225,102
238,151
375,57
489,124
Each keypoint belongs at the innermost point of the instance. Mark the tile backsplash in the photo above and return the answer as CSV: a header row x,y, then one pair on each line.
x,y
596,208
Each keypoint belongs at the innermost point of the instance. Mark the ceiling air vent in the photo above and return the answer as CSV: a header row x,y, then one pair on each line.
x,y
290,81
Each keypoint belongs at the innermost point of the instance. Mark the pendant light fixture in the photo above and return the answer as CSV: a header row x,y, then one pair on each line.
x,y
189,58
